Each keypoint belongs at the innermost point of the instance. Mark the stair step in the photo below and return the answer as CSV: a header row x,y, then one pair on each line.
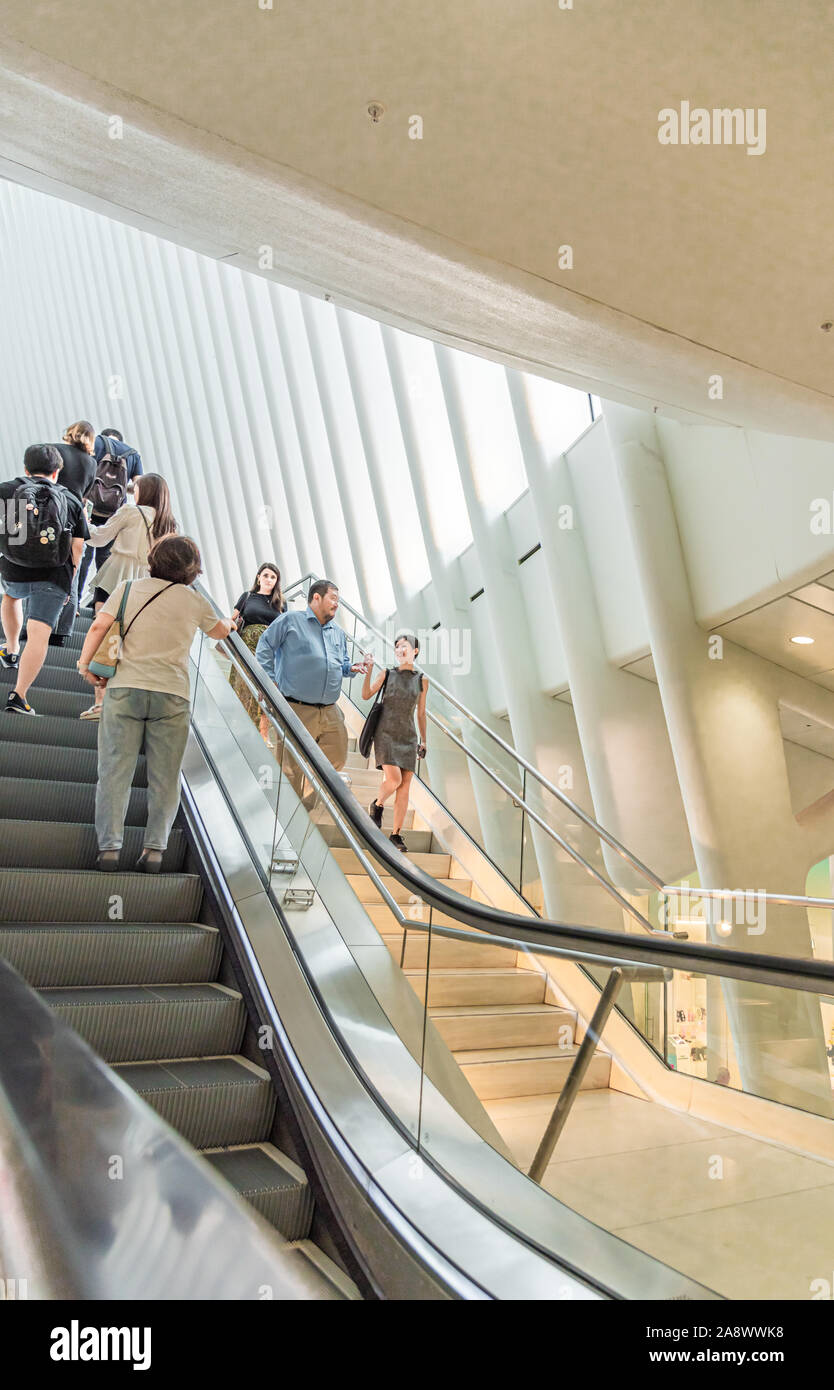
x,y
271,1183
497,1073
211,1101
37,895
66,801
367,892
447,952
448,987
126,953
323,818
48,729
28,844
137,1023
385,921
51,677
44,762
64,703
436,864
418,841
503,1025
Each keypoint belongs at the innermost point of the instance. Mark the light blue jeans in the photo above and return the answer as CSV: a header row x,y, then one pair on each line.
x,y
128,717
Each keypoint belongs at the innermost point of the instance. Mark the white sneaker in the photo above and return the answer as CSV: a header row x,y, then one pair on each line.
x,y
94,712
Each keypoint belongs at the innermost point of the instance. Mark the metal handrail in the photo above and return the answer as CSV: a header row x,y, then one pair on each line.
x,y
811,976
469,714
788,899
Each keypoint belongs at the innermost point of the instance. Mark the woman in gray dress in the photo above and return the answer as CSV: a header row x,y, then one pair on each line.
x,y
396,746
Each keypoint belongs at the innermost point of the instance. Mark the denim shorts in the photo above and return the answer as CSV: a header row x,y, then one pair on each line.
x,y
44,600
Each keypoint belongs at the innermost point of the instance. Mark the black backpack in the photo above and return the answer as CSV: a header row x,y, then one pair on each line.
x,y
108,490
38,535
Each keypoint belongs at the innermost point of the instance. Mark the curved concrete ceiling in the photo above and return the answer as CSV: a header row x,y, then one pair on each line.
x,y
248,127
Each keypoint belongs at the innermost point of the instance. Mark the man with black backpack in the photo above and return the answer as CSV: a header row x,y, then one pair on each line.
x,y
43,527
117,464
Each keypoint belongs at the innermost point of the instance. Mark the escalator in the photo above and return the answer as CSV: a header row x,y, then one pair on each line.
x,y
337,1028
134,963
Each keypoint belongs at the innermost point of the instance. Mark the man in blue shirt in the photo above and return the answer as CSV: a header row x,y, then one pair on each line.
x,y
306,655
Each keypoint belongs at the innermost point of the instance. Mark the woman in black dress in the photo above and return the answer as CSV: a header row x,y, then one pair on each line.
x,y
396,746
254,611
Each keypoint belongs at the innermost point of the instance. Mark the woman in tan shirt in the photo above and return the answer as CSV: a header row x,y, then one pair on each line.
x,y
148,697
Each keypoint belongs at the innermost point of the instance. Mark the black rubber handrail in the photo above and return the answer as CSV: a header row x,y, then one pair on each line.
x,y
810,976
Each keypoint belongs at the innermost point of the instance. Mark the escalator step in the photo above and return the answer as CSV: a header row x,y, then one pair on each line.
x,y
43,762
341,1286
52,955
134,1023
271,1182
38,895
65,703
50,730
210,1101
32,844
50,678
65,801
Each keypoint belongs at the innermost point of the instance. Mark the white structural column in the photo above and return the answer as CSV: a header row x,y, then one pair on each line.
x,y
619,717
538,723
725,734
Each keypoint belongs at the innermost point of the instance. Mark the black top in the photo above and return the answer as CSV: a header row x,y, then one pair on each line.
x,y
257,608
33,574
78,471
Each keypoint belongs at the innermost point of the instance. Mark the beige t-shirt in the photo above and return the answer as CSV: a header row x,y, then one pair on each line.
x,y
155,652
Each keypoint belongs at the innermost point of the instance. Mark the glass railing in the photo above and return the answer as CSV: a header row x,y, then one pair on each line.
x,y
378,937
565,865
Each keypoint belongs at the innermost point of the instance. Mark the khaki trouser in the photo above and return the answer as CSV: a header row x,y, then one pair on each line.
x,y
327,727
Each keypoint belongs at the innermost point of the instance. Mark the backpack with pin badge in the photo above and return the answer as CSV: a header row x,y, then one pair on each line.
x,y
37,533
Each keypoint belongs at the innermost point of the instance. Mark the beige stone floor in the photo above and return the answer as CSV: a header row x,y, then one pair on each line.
x,y
761,1228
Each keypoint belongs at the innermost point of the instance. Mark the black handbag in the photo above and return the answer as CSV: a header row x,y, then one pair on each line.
x,y
366,738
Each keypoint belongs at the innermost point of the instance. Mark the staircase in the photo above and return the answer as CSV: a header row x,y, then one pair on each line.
x,y
132,962
491,1010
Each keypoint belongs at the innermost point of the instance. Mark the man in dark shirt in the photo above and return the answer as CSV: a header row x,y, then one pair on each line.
x,y
45,589
109,441
77,474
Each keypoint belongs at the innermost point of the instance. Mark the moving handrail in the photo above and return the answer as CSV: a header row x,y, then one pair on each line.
x,y
535,933
629,960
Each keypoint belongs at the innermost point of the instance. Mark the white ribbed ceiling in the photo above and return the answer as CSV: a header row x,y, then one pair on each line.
x,y
246,126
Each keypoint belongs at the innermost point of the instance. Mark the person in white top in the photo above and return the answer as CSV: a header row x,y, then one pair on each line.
x,y
148,697
132,531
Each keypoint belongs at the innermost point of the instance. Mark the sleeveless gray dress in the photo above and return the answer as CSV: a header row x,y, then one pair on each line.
x,y
395,741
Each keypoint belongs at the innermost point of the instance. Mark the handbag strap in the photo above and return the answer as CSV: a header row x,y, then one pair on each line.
x,y
147,527
145,605
380,694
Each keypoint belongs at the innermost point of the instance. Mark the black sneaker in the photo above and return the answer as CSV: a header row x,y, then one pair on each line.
x,y
57,639
17,705
399,843
375,813
8,659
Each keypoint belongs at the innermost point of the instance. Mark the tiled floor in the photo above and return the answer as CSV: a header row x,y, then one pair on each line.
x,y
745,1218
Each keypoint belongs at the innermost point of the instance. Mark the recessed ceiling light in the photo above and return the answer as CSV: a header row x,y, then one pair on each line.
x,y
803,641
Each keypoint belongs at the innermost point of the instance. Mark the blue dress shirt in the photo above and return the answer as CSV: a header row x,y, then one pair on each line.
x,y
308,662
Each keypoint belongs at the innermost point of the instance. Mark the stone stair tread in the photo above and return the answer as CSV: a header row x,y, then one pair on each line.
x,y
542,1052
487,1010
491,972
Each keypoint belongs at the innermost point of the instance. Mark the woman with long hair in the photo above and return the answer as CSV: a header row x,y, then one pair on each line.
x,y
396,744
132,530
254,611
